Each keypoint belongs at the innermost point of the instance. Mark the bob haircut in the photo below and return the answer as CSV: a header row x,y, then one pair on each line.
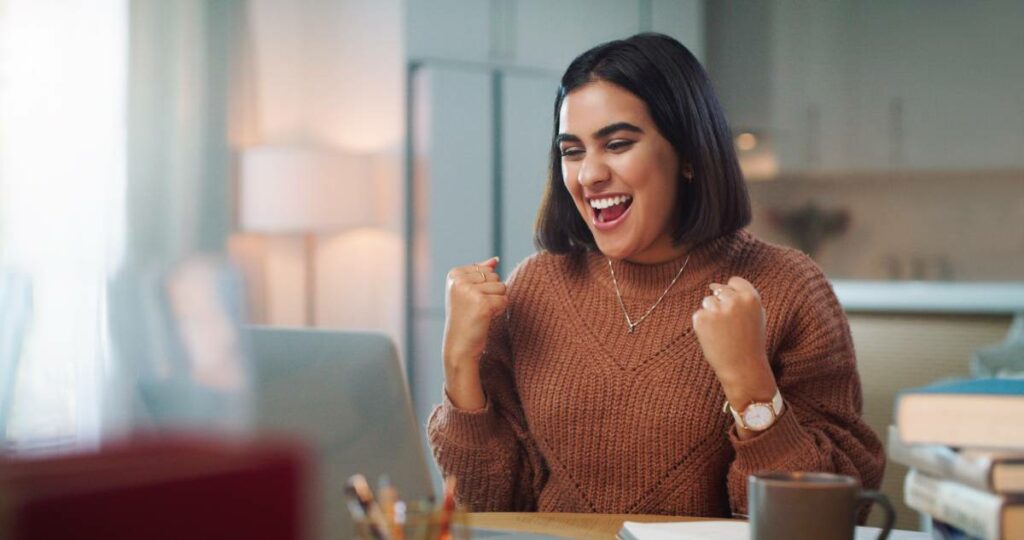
x,y
679,97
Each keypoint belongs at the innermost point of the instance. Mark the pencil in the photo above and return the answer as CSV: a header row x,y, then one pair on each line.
x,y
359,489
447,509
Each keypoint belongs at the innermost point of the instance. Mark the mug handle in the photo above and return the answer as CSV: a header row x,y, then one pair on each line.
x,y
870,496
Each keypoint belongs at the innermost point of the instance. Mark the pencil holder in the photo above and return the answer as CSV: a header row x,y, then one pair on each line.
x,y
421,521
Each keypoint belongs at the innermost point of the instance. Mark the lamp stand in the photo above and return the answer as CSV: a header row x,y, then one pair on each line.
x,y
309,239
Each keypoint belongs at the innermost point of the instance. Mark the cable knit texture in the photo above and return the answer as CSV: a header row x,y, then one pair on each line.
x,y
583,417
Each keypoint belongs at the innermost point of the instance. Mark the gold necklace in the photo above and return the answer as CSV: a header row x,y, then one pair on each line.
x,y
629,322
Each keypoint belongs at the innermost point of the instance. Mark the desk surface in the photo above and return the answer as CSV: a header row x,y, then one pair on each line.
x,y
578,526
605,526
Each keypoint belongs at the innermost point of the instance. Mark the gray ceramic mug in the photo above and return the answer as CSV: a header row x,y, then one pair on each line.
x,y
809,505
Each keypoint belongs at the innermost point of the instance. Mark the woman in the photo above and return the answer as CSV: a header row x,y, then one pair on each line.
x,y
598,378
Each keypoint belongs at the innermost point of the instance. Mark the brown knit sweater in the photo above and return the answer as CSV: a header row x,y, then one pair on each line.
x,y
583,417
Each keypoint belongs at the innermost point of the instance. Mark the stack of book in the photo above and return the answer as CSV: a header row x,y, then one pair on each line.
x,y
964,443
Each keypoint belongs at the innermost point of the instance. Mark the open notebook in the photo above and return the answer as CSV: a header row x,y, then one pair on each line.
x,y
728,530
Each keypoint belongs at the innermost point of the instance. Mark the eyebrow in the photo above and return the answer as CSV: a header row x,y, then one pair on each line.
x,y
601,133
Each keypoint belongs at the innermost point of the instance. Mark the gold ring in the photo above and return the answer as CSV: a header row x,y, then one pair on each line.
x,y
481,272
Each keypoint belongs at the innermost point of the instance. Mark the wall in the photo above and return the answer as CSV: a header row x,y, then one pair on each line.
x,y
329,73
934,226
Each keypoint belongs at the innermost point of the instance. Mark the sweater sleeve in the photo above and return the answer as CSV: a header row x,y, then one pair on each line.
x,y
821,428
490,451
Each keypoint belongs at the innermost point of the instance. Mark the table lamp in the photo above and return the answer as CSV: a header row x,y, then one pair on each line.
x,y
306,191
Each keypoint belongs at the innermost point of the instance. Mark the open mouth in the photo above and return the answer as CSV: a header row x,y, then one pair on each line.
x,y
610,209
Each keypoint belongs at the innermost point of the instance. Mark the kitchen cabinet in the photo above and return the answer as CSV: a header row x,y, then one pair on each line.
x,y
684,20
850,86
541,34
479,167
956,73
526,122
451,205
453,188
449,29
548,35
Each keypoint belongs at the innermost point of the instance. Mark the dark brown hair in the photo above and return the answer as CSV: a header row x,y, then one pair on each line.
x,y
664,75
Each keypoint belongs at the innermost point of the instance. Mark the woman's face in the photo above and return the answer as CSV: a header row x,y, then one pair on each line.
x,y
621,172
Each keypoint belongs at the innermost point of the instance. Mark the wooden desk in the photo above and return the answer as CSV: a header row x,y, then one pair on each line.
x,y
606,526
577,526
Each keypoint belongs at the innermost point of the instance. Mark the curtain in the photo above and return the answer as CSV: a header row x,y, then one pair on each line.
x,y
63,77
114,167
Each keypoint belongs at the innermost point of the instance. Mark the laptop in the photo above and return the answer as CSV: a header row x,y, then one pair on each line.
x,y
344,394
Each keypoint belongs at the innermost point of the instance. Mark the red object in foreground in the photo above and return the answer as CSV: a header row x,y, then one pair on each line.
x,y
158,488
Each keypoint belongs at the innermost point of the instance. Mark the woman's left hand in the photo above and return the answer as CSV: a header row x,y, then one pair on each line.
x,y
730,327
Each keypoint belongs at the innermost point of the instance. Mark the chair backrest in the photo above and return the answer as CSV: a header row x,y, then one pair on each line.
x,y
344,394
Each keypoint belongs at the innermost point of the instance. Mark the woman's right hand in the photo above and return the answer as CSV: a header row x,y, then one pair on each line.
x,y
475,294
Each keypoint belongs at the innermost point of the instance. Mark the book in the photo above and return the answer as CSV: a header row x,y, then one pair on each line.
x,y
980,413
998,471
978,513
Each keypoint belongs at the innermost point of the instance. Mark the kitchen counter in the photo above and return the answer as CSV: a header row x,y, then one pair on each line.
x,y
985,298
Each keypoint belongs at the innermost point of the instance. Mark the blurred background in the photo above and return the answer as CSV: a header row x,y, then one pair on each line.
x,y
323,163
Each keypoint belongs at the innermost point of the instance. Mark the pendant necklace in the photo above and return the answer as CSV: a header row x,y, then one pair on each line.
x,y
630,324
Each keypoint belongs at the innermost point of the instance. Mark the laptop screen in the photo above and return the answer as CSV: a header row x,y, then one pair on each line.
x,y
344,394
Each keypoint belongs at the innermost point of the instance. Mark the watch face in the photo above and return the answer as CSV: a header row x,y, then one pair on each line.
x,y
758,416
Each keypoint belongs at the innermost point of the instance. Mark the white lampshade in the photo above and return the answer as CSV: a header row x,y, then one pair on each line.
x,y
295,189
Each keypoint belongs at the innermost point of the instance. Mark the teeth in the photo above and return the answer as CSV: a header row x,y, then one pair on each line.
x,y
601,204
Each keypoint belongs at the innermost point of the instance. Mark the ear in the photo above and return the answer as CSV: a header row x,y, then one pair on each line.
x,y
687,171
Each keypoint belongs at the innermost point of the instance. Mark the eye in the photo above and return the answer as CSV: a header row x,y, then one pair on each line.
x,y
571,152
617,145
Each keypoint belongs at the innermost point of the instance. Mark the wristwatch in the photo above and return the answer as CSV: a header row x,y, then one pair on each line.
x,y
757,416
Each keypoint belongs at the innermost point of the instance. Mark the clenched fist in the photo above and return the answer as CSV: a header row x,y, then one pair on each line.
x,y
475,294
730,327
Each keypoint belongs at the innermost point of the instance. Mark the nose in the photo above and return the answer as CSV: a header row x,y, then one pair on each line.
x,y
592,172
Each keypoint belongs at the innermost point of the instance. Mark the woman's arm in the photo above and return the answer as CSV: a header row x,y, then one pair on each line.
x,y
489,451
478,433
821,428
